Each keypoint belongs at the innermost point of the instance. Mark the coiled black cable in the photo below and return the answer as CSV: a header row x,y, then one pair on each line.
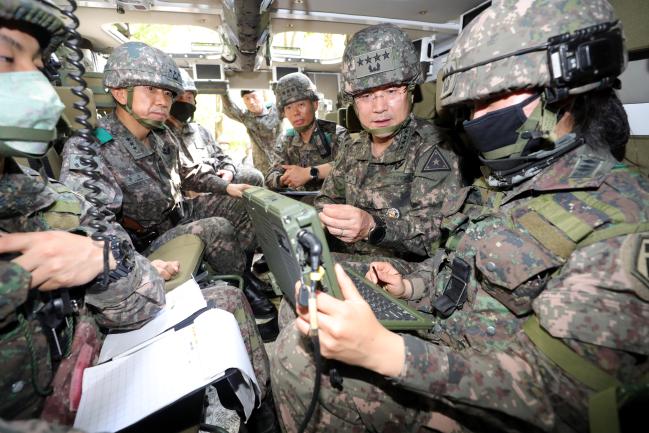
x,y
88,145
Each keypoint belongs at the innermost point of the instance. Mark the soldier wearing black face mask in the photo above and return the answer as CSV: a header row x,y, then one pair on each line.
x,y
199,150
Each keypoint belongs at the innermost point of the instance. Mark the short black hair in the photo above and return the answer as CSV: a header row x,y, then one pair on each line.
x,y
246,92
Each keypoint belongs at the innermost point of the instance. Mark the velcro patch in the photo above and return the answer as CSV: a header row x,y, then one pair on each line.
x,y
586,167
436,162
374,62
641,260
136,177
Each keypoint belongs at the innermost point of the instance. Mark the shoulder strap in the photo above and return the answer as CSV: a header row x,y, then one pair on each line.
x,y
103,135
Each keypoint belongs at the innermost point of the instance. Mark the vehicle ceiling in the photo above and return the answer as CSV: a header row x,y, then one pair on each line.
x,y
245,24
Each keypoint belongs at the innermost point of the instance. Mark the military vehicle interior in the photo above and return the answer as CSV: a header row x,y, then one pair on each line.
x,y
249,44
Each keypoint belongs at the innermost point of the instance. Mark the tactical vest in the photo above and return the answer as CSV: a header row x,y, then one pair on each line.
x,y
28,355
549,233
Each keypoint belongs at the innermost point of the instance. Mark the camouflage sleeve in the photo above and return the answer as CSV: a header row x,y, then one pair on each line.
x,y
14,286
73,175
436,176
279,157
34,426
199,177
500,381
224,161
333,188
231,109
132,300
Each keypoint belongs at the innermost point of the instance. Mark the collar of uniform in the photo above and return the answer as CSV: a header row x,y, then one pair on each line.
x,y
121,134
22,191
578,169
398,149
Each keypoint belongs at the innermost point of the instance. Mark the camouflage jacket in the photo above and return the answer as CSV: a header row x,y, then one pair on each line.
x,y
200,157
405,187
28,205
263,130
543,248
292,150
138,181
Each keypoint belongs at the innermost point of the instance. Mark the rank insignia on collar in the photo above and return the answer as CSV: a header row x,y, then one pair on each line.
x,y
393,213
641,260
436,162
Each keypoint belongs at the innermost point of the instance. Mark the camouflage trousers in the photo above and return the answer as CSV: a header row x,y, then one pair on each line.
x,y
232,209
367,402
260,159
231,299
223,250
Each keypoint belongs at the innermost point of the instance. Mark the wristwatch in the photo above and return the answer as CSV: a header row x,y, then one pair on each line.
x,y
377,233
124,256
314,172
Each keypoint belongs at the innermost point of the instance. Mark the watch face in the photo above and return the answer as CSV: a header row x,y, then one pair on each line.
x,y
314,172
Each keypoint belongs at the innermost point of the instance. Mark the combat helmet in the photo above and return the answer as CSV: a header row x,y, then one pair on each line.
x,y
378,56
31,137
556,48
294,87
515,45
49,28
138,64
188,83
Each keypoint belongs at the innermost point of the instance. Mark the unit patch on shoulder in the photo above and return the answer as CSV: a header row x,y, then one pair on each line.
x,y
641,260
436,162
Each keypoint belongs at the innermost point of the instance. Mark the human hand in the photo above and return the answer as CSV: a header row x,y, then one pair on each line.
x,y
236,189
348,223
349,331
57,259
226,175
167,270
386,276
295,176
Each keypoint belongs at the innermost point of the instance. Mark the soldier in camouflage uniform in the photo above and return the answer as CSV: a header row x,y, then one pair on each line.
x,y
305,153
540,298
45,247
263,123
199,151
141,174
384,195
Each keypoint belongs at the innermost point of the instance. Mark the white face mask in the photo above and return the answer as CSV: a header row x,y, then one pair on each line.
x,y
29,111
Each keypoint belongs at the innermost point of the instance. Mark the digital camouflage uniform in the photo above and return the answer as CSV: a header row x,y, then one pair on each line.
x,y
198,148
405,187
292,150
28,205
263,130
200,154
566,248
144,184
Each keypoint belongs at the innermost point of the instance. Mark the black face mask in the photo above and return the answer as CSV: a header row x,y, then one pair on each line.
x,y
498,128
182,111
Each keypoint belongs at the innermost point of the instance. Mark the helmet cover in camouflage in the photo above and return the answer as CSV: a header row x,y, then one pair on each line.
x,y
506,27
137,64
294,87
377,56
187,81
41,15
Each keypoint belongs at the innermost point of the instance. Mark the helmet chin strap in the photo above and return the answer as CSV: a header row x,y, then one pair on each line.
x,y
147,123
390,131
